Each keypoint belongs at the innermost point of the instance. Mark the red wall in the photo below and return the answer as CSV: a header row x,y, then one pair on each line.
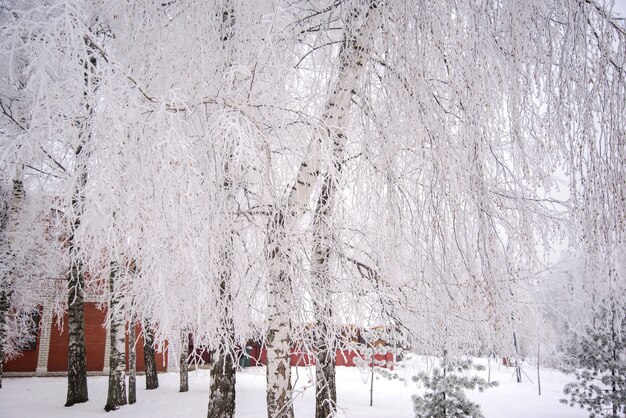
x,y
27,362
343,358
299,358
95,344
95,341
161,366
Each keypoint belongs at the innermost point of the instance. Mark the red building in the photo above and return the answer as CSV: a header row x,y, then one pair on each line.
x,y
48,355
351,353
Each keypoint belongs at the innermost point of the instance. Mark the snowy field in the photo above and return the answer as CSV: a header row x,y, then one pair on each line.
x,y
43,397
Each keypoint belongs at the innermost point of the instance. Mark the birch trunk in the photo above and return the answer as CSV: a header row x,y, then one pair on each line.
x,y
325,382
132,364
4,308
149,358
223,376
76,357
117,367
278,342
352,57
182,361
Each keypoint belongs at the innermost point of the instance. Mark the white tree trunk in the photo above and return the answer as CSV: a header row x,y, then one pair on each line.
x,y
325,382
335,118
182,361
117,364
77,355
223,373
223,376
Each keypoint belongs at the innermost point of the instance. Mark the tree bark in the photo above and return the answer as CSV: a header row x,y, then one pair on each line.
x,y
149,358
77,355
351,59
117,364
223,373
278,341
223,376
223,379
132,364
518,369
335,117
325,382
4,308
182,361
614,363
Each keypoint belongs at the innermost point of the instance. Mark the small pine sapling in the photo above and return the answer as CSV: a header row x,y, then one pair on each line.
x,y
598,362
445,391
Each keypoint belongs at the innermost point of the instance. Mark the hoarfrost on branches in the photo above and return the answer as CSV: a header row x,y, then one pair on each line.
x,y
401,163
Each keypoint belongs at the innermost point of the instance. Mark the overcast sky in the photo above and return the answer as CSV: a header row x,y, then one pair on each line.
x,y
620,7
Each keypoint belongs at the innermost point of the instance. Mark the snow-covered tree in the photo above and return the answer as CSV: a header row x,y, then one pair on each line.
x,y
48,78
445,391
32,267
597,359
374,161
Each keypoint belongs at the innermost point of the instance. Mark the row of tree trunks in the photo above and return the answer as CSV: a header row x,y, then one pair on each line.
x,y
116,396
117,364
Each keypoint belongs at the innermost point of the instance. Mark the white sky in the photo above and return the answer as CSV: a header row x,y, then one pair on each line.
x,y
620,8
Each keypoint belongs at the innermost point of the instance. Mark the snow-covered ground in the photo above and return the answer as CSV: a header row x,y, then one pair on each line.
x,y
43,397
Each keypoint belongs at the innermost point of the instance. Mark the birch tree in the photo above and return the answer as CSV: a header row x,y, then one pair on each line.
x,y
462,171
223,377
11,203
374,162
32,265
183,359
32,37
360,25
116,396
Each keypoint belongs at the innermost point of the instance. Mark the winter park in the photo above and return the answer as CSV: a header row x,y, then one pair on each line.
x,y
313,208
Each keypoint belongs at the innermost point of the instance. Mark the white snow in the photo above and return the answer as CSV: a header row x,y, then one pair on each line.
x,y
39,397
